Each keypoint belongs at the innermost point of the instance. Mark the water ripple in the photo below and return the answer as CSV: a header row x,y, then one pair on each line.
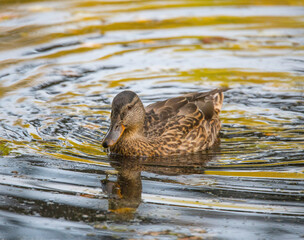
x,y
61,64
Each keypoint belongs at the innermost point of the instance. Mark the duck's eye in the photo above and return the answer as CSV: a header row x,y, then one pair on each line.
x,y
129,107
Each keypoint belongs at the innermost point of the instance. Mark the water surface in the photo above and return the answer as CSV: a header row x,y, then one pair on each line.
x,y
61,64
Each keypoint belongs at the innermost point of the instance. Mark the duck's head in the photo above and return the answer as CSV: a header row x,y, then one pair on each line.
x,y
127,117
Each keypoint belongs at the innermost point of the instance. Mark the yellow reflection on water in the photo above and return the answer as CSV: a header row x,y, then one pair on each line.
x,y
90,24
259,174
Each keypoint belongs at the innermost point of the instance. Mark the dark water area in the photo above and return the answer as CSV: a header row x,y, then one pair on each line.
x,y
62,63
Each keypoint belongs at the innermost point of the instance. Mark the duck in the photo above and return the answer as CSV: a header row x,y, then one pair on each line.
x,y
180,125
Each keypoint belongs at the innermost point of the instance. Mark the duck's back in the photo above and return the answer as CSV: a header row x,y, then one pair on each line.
x,y
184,124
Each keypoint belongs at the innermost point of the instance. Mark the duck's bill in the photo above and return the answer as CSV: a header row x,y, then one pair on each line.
x,y
113,135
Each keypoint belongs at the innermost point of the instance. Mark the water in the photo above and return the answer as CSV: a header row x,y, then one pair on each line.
x,y
61,64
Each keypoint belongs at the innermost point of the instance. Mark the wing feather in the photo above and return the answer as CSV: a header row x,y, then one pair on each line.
x,y
188,123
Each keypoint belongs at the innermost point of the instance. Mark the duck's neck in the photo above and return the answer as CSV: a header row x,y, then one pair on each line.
x,y
134,131
133,143
131,136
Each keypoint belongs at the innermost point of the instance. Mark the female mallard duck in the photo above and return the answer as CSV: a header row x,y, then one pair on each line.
x,y
180,125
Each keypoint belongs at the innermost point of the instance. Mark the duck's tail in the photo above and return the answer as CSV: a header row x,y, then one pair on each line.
x,y
210,102
218,99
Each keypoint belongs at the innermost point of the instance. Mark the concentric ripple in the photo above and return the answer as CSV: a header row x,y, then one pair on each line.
x,y
61,64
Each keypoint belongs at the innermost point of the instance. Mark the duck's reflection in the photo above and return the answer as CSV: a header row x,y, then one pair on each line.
x,y
125,194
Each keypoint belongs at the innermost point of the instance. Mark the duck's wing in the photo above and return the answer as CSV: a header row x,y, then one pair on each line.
x,y
208,102
182,111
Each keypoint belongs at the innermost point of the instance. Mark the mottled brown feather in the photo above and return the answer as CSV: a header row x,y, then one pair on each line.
x,y
180,125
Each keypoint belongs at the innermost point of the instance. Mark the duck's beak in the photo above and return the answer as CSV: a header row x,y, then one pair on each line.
x,y
113,135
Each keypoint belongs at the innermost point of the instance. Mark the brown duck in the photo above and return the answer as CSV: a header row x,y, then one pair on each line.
x,y
180,125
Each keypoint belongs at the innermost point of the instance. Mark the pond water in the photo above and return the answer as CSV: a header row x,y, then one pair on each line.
x,y
61,64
